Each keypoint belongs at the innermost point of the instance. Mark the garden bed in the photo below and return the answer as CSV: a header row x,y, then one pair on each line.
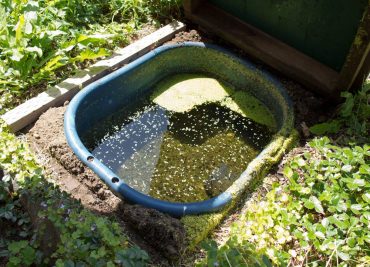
x,y
167,239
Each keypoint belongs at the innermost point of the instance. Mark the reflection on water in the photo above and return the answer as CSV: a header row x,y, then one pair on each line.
x,y
179,157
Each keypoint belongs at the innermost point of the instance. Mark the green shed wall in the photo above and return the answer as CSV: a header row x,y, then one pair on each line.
x,y
322,29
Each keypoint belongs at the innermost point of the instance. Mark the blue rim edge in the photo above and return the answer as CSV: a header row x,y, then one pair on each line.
x,y
121,188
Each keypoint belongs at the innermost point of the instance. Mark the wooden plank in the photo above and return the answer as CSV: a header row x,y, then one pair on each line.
x,y
264,47
357,65
30,110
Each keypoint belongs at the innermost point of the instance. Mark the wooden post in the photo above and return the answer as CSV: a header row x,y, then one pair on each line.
x,y
357,65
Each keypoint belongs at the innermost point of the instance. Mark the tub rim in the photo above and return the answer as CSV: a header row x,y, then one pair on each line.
x,y
123,190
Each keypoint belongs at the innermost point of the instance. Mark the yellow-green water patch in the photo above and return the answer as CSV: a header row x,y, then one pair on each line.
x,y
250,107
198,227
182,92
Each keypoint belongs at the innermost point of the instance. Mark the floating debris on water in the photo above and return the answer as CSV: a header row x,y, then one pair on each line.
x,y
185,155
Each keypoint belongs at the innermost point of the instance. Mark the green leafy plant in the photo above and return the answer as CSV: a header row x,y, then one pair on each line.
x,y
353,117
21,254
42,42
233,253
320,217
84,239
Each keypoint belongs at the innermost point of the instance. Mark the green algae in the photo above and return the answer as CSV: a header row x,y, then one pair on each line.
x,y
182,92
176,156
183,169
250,107
198,143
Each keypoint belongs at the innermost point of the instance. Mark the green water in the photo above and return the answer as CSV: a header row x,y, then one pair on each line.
x,y
177,156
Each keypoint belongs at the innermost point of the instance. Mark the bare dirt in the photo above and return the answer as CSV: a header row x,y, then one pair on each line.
x,y
161,235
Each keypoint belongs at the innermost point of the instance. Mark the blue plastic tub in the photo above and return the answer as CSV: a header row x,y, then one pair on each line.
x,y
113,92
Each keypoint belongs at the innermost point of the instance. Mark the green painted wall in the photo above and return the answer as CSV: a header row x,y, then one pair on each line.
x,y
322,29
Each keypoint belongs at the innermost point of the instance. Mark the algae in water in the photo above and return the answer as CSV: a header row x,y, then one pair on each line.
x,y
182,92
187,142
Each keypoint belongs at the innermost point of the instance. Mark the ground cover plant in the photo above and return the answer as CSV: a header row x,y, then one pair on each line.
x,y
42,42
321,215
34,214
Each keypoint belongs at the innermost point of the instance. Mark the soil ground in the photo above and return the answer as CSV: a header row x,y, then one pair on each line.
x,y
143,226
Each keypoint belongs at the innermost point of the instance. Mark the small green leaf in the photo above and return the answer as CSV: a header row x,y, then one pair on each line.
x,y
351,242
343,256
347,106
69,263
364,169
317,204
90,54
347,168
326,127
309,204
29,255
366,197
16,55
266,261
355,208
19,28
288,172
301,162
320,235
34,49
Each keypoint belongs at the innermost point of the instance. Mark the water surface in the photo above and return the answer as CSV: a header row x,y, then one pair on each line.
x,y
177,156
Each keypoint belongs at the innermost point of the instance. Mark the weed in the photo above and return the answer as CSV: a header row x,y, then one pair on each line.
x,y
322,216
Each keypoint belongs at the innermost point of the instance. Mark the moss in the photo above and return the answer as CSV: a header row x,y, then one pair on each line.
x,y
197,227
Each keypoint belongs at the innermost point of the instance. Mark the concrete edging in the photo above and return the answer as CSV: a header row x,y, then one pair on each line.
x,y
29,111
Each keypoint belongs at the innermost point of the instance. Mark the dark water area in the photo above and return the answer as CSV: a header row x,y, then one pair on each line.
x,y
179,157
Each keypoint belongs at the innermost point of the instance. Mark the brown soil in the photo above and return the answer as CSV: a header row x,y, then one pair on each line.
x,y
159,234
47,138
145,30
168,236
